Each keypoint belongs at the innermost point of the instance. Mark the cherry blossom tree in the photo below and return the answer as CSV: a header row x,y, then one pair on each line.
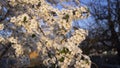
x,y
41,34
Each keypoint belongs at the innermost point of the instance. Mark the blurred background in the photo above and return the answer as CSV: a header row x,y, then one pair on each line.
x,y
103,42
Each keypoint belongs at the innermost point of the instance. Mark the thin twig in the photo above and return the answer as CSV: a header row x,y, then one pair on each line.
x,y
6,50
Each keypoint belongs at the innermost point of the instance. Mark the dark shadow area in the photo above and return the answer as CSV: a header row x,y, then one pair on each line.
x,y
103,42
100,55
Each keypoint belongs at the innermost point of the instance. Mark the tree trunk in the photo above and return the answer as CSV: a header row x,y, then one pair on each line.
x,y
114,36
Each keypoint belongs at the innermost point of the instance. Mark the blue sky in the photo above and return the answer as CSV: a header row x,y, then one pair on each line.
x,y
83,23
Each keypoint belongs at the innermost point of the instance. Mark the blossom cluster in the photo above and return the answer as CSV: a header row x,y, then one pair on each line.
x,y
39,34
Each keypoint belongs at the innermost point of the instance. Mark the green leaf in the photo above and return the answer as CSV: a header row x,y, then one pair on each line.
x,y
87,62
53,13
25,19
50,55
33,35
64,50
66,17
61,59
39,4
